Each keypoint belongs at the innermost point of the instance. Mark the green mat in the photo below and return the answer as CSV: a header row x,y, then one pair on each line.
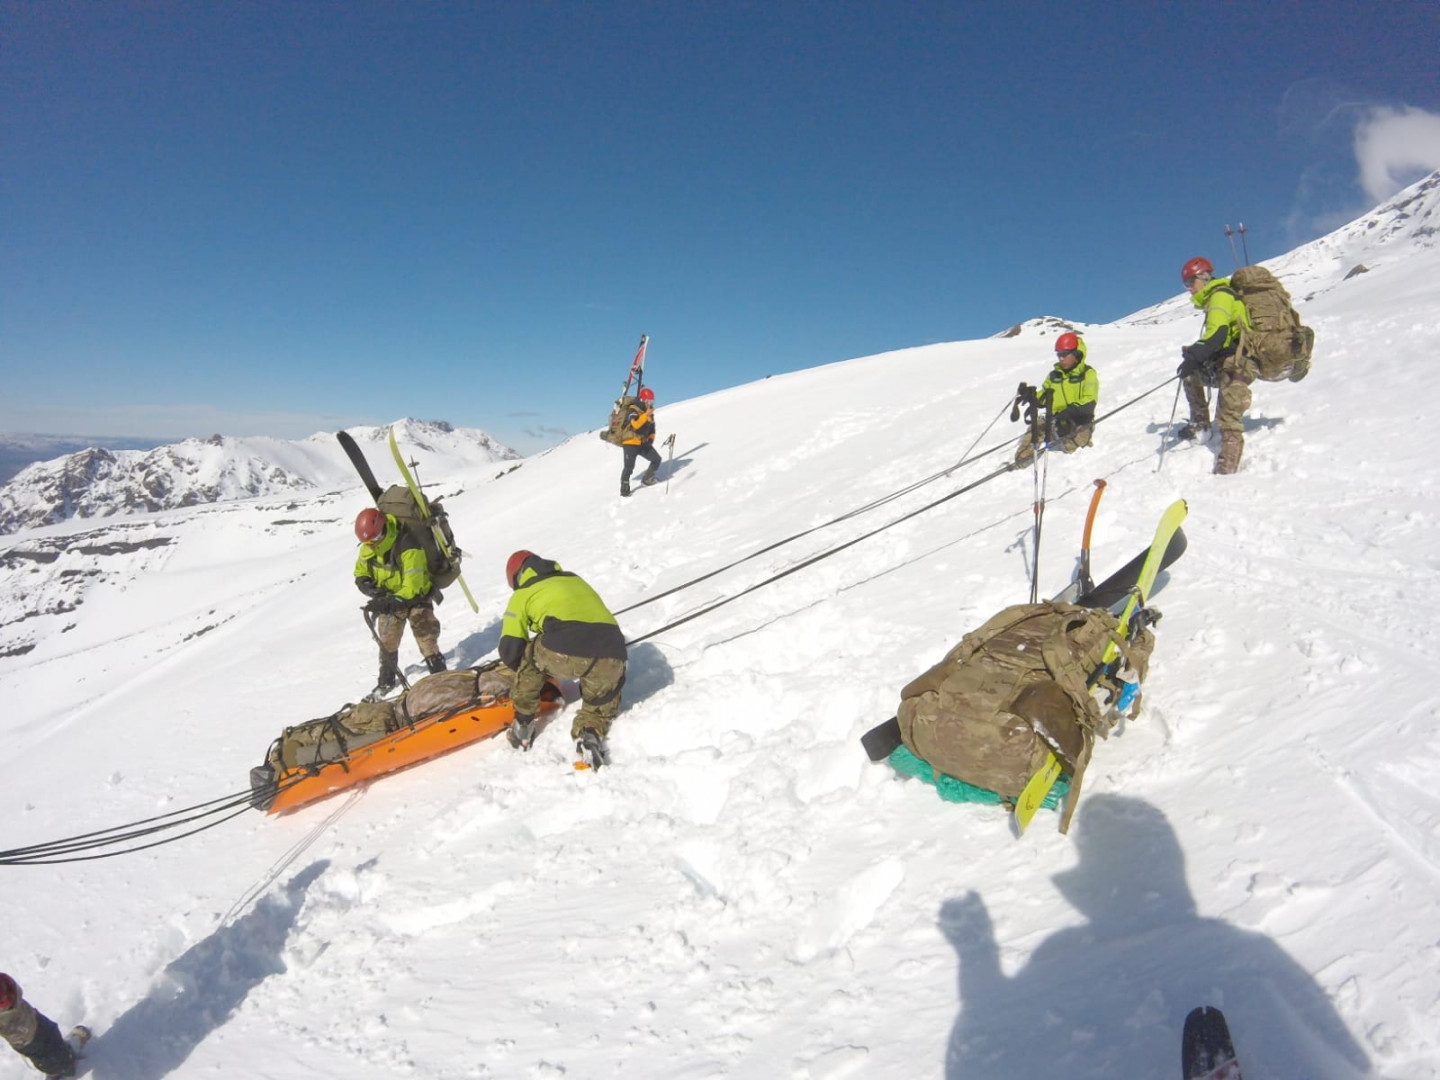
x,y
952,790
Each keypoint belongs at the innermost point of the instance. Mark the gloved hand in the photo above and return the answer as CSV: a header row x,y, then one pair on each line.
x,y
368,586
1191,361
385,605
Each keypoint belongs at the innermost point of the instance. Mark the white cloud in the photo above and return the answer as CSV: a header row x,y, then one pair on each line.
x,y
1395,147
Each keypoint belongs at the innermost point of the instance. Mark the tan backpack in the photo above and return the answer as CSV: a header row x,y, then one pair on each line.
x,y
619,429
1014,690
1278,343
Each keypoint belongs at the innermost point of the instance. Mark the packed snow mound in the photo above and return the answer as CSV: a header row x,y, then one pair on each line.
x,y
95,483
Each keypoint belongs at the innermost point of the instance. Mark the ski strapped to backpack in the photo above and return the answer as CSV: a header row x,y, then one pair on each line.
x,y
617,430
1274,339
1044,778
428,523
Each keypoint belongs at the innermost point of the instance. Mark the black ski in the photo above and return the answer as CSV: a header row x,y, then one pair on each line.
x,y
882,740
1118,585
357,458
1206,1050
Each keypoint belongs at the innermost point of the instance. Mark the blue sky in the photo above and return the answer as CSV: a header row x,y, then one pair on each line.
x,y
279,218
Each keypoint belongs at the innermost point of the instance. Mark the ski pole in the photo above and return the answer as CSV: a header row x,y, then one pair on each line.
x,y
1165,443
1243,245
1230,235
669,461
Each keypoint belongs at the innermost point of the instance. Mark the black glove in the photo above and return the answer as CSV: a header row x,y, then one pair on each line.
x,y
368,586
385,605
1191,363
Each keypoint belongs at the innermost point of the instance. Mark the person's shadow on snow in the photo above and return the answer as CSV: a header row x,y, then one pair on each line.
x,y
1108,998
200,991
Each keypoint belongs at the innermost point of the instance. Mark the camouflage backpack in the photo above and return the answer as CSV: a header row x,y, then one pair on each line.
x,y
1276,340
1014,690
399,503
618,430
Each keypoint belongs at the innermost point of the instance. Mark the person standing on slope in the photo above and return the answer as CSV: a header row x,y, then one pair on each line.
x,y
34,1035
556,624
640,439
1072,390
393,572
1215,361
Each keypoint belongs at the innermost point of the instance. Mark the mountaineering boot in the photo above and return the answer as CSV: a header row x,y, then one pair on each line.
x,y
625,487
1232,445
591,749
1194,429
435,662
521,731
389,675
649,477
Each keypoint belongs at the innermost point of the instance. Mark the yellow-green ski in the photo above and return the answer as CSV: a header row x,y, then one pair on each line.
x,y
435,530
1039,785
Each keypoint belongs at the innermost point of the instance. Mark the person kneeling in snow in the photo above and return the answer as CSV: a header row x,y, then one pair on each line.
x,y
34,1035
555,624
1073,390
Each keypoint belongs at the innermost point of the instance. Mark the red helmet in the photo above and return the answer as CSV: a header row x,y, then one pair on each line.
x,y
513,565
646,394
1194,268
1067,343
369,525
9,992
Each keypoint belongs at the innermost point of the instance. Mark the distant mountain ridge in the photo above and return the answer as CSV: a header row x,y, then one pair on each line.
x,y
98,482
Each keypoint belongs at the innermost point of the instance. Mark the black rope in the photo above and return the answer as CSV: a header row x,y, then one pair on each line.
x,y
874,504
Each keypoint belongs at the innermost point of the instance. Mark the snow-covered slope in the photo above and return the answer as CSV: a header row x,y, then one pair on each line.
x,y
743,894
101,483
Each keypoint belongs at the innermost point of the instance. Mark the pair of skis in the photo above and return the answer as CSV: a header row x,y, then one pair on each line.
x,y
367,475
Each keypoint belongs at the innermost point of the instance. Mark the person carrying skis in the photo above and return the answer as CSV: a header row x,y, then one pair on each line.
x,y
1070,393
33,1035
556,624
640,439
393,572
1215,360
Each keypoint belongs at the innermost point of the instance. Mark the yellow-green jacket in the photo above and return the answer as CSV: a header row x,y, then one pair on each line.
x,y
1225,317
394,565
562,610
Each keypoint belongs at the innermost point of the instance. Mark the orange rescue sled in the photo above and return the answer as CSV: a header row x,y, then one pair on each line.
x,y
315,760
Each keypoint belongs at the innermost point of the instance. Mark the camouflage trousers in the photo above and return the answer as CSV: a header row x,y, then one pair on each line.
x,y
1231,402
600,680
1068,444
423,624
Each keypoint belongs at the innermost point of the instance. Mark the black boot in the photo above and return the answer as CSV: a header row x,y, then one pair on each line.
x,y
521,731
388,677
651,475
435,662
624,487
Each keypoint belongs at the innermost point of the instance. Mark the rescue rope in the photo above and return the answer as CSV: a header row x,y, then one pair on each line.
x,y
874,504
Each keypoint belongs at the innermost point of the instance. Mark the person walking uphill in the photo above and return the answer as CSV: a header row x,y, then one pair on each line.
x,y
34,1035
1072,390
556,624
639,439
392,571
1214,360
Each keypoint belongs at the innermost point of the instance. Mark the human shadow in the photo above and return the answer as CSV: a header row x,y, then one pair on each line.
x,y
198,992
1108,998
647,673
473,647
678,462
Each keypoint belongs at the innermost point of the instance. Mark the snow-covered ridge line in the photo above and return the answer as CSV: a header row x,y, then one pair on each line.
x,y
97,482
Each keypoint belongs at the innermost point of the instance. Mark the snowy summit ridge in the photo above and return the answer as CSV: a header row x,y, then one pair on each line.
x,y
95,482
